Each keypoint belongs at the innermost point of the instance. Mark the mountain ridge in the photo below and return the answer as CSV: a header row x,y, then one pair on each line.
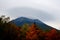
x,y
22,20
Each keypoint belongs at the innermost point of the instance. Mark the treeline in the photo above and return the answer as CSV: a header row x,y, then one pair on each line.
x,y
9,31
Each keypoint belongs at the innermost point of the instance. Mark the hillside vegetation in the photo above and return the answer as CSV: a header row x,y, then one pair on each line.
x,y
9,31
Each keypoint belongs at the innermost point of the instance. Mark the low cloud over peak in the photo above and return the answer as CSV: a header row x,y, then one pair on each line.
x,y
30,12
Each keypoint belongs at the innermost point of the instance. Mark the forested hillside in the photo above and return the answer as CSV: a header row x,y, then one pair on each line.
x,y
9,31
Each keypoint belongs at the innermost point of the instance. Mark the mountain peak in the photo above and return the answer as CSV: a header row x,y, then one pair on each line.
x,y
23,17
23,20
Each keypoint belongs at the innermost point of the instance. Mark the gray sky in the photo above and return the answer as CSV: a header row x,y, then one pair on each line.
x,y
47,11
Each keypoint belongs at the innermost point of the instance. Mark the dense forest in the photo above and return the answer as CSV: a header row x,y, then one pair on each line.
x,y
9,31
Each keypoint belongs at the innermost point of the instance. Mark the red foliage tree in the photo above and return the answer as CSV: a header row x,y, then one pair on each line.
x,y
34,33
52,35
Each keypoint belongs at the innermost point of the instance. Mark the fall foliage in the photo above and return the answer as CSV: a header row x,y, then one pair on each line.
x,y
9,31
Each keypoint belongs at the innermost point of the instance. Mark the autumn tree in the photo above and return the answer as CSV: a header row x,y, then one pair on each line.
x,y
23,30
52,35
34,33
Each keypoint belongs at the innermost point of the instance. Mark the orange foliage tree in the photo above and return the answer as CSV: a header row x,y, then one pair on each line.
x,y
52,35
34,33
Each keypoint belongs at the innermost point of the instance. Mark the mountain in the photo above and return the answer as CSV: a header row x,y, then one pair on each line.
x,y
23,20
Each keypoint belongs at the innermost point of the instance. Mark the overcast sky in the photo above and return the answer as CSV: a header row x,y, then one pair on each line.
x,y
47,11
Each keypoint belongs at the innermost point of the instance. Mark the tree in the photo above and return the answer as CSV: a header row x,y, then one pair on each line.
x,y
23,30
52,35
34,33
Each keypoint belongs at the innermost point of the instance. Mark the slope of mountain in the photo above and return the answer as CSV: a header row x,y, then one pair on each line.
x,y
23,20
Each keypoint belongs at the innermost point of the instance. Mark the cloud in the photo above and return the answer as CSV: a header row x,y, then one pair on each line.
x,y
30,3
30,12
50,6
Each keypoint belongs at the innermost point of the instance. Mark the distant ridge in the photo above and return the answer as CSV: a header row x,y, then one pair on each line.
x,y
22,20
